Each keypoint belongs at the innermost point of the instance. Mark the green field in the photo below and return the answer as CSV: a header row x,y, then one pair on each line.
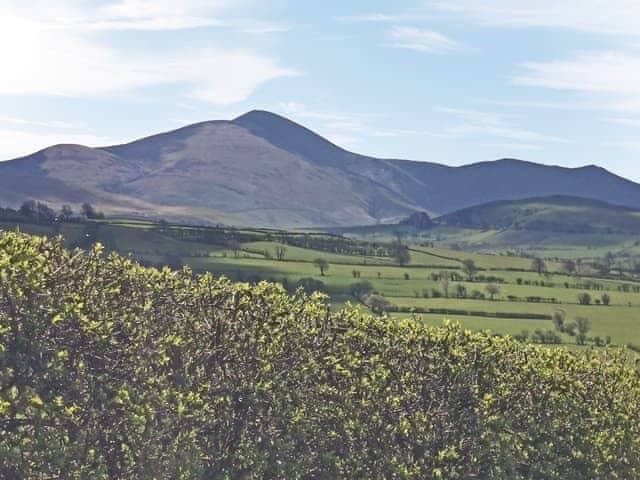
x,y
410,287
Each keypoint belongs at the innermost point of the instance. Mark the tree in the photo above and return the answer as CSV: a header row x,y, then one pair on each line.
x,y
469,267
539,266
234,246
461,291
280,252
582,325
322,265
559,317
28,208
66,213
492,289
606,299
444,282
361,290
91,213
584,299
569,267
400,253
378,304
310,285
45,212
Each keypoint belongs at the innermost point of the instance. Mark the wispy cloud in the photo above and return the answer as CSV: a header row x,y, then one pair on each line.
x,y
44,57
475,123
613,77
19,142
548,105
601,72
627,122
347,128
421,39
618,17
36,123
375,17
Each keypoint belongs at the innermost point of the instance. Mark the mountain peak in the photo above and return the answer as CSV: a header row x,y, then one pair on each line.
x,y
291,136
259,115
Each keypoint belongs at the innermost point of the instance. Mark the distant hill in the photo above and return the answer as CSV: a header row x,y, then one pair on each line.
x,y
551,214
262,169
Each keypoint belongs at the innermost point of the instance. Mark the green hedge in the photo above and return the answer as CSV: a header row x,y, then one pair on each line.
x,y
474,313
109,370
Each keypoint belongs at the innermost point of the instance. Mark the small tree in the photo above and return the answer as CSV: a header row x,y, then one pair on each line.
x,y
361,290
582,326
400,253
469,267
322,265
559,317
235,247
444,282
569,267
28,208
280,252
606,299
538,265
310,285
584,299
461,291
378,304
492,289
91,213
66,212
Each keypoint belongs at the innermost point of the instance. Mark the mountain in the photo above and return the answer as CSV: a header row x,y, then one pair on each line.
x,y
560,214
262,169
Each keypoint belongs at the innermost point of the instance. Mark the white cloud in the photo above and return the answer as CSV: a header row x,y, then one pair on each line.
x,y
36,123
611,77
421,39
489,124
607,17
384,18
627,122
346,129
40,58
512,146
157,14
601,72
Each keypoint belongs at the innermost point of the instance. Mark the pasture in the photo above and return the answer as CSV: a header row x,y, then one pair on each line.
x,y
431,285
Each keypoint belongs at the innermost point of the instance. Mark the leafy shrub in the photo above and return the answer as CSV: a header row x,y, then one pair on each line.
x,y
310,285
112,370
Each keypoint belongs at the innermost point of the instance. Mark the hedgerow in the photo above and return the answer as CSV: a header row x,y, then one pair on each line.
x,y
109,370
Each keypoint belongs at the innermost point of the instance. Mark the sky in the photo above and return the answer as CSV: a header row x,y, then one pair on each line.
x,y
453,82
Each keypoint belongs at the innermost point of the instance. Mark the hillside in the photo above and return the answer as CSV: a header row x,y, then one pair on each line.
x,y
264,170
560,214
111,370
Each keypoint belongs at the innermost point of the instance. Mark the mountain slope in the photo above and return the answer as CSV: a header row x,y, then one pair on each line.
x,y
551,214
263,169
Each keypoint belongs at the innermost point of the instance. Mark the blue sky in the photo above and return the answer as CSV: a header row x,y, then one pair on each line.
x,y
453,82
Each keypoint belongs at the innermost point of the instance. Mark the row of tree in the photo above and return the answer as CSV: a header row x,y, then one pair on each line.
x,y
40,212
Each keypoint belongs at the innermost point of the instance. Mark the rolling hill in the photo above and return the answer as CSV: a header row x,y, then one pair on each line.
x,y
561,214
262,169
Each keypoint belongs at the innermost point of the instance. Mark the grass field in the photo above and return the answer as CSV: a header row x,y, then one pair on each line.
x,y
407,287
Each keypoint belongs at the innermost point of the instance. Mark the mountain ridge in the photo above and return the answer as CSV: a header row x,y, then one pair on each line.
x,y
558,213
263,169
